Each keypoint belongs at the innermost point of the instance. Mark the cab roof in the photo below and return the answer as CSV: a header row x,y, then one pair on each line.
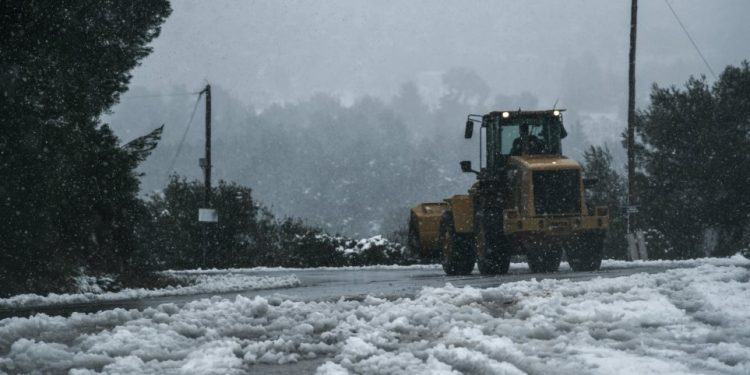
x,y
526,114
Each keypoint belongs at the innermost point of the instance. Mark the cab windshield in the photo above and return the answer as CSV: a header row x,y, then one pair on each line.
x,y
536,136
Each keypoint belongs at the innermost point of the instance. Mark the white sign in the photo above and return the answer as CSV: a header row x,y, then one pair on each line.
x,y
208,215
637,245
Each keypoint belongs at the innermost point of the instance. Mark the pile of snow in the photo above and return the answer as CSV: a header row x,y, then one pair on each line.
x,y
677,321
370,251
315,249
323,250
193,284
351,247
93,284
255,270
736,260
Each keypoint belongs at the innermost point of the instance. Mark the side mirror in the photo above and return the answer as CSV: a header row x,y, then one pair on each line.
x,y
590,182
469,129
466,167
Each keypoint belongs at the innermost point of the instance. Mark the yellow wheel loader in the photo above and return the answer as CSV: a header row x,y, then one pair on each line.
x,y
528,199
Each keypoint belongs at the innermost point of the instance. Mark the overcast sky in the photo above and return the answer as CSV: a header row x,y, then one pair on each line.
x,y
285,50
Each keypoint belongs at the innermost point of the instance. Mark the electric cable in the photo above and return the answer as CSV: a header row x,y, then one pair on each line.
x,y
184,136
159,95
691,39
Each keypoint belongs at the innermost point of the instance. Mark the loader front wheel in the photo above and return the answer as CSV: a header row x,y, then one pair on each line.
x,y
585,254
493,248
459,253
544,258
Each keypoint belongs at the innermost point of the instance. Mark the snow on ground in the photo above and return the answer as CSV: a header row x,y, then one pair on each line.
x,y
93,284
682,320
364,244
737,259
606,264
194,284
255,270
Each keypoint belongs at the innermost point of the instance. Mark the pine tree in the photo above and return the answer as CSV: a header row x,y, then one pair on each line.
x,y
67,187
609,191
694,153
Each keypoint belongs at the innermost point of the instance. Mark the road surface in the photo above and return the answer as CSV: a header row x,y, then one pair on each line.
x,y
644,303
322,284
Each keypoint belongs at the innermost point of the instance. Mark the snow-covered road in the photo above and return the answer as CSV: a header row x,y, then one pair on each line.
x,y
195,284
308,284
679,317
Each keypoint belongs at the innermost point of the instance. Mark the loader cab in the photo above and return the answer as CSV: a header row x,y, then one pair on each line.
x,y
522,133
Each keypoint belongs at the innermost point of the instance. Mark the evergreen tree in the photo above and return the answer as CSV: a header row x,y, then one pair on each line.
x,y
68,189
693,154
608,191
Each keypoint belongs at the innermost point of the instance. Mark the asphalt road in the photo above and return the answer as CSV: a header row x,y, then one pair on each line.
x,y
324,284
317,284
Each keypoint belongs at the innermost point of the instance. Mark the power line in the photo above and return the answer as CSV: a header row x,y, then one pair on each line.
x,y
184,136
159,95
691,39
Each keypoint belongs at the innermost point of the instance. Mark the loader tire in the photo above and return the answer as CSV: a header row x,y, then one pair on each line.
x,y
585,253
493,248
544,258
459,254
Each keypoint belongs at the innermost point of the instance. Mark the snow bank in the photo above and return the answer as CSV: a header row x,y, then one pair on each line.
x,y
93,284
255,270
606,264
194,284
737,260
678,321
359,246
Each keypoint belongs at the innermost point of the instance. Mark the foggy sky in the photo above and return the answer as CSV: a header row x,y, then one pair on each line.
x,y
574,51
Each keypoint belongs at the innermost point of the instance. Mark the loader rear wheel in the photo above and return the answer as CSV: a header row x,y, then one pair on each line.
x,y
493,248
585,254
544,257
459,254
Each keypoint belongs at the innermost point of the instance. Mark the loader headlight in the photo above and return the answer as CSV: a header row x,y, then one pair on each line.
x,y
506,114
556,113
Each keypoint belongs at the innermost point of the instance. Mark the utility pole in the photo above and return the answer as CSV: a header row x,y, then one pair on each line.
x,y
207,215
631,115
635,237
207,168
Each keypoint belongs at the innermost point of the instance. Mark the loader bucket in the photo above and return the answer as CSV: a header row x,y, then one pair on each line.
x,y
424,228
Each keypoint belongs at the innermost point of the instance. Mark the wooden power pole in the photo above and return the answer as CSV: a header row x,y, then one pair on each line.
x,y
631,116
207,167
207,215
635,236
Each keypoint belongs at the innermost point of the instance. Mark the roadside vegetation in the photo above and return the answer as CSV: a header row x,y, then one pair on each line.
x,y
246,235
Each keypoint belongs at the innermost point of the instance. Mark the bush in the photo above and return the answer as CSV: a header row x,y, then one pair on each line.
x,y
246,235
